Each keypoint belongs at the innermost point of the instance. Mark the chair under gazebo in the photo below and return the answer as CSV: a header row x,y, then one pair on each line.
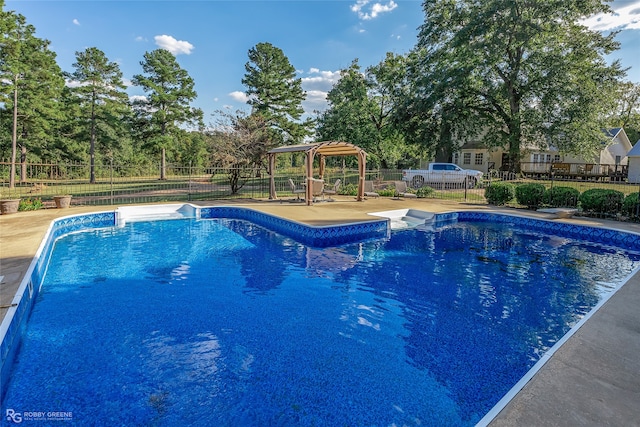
x,y
322,149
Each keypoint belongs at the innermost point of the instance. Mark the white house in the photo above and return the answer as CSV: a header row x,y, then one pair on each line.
x,y
633,157
612,156
474,155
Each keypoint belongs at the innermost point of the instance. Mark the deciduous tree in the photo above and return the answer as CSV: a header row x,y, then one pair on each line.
x,y
348,116
359,111
524,72
239,143
627,113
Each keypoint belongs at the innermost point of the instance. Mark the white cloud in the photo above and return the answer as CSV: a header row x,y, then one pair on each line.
x,y
626,17
140,39
138,98
72,83
174,46
76,22
316,101
365,11
317,84
238,96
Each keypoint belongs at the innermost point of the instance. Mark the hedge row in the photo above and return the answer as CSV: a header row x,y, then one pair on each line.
x,y
593,201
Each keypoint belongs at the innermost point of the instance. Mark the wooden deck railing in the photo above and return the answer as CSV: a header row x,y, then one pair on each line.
x,y
574,170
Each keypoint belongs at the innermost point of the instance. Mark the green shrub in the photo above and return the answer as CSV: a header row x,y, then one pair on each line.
x,y
348,190
425,191
631,205
561,197
530,195
30,204
499,193
387,192
600,200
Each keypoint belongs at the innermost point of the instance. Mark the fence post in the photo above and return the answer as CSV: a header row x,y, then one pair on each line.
x,y
551,174
189,191
466,185
111,179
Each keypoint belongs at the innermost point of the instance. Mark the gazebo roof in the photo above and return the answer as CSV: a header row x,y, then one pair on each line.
x,y
325,148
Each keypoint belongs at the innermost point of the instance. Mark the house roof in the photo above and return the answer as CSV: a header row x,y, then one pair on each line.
x,y
635,151
612,133
473,145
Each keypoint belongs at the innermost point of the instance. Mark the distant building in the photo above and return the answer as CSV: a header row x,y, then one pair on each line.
x,y
612,156
634,164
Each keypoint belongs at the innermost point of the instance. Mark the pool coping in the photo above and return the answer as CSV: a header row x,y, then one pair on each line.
x,y
604,231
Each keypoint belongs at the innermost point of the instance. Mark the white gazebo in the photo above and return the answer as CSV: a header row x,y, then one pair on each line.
x,y
322,149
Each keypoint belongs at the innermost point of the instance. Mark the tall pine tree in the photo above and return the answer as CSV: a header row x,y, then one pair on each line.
x,y
99,90
167,106
275,93
33,84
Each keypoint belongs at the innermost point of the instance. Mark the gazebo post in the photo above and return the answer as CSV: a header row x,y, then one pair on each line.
x,y
362,167
321,167
309,162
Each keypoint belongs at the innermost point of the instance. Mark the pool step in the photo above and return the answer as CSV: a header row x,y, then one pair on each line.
x,y
126,214
400,219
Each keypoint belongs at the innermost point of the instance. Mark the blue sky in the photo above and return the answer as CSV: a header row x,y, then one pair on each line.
x,y
211,38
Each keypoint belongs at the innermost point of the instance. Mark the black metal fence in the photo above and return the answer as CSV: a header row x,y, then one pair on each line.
x,y
122,184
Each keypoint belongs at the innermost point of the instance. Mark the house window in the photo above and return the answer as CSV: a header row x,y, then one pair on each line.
x,y
618,159
456,158
556,158
466,159
479,158
542,158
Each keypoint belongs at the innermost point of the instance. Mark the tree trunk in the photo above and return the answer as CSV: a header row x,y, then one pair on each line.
x,y
234,178
444,149
515,127
163,165
514,150
23,164
92,144
14,135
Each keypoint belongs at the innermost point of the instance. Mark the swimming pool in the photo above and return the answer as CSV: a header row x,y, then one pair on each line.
x,y
224,322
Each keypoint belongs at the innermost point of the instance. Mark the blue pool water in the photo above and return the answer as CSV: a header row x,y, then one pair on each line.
x,y
225,323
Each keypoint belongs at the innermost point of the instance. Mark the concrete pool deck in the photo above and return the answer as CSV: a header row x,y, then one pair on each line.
x,y
592,380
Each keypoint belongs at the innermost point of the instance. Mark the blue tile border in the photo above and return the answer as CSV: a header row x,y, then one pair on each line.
x,y
16,318
309,235
606,236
